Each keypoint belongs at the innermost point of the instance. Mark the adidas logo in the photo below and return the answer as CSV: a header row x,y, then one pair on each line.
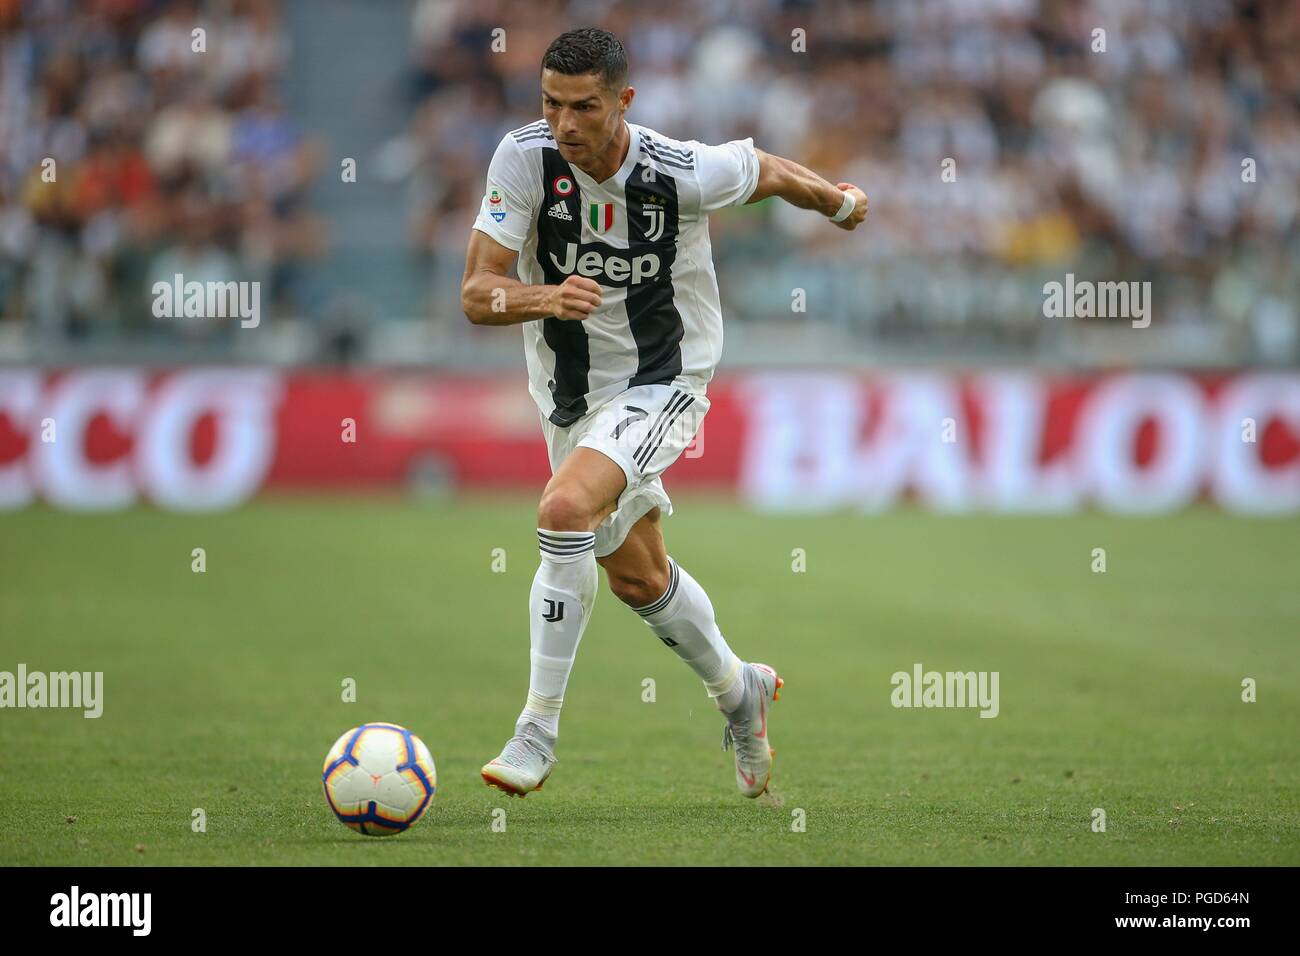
x,y
559,212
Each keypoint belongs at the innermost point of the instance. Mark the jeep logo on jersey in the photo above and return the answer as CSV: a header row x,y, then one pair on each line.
x,y
609,265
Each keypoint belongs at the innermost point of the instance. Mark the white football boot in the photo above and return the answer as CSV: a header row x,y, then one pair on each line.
x,y
524,763
747,729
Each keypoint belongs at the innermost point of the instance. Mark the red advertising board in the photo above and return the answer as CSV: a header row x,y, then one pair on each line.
x,y
206,438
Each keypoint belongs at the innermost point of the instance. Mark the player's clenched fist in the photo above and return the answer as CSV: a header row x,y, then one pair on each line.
x,y
859,211
575,298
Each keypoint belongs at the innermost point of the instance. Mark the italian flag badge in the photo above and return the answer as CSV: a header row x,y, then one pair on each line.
x,y
600,216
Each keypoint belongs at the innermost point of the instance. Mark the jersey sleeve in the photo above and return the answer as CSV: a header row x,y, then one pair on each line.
x,y
728,173
510,199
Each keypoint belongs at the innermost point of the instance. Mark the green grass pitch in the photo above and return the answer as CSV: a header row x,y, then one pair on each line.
x,y
1119,690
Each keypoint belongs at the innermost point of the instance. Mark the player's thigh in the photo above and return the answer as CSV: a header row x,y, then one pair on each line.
x,y
583,490
638,570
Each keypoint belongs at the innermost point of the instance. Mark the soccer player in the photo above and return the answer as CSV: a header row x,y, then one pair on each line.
x,y
622,331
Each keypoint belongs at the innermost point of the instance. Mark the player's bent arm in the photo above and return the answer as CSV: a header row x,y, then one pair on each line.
x,y
801,187
489,296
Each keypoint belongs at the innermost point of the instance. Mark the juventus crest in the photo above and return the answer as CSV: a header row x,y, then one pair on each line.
x,y
654,223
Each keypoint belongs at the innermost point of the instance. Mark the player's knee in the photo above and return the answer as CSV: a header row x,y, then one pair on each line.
x,y
563,509
638,590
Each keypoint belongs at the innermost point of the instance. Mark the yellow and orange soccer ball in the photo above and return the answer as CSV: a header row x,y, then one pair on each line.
x,y
379,779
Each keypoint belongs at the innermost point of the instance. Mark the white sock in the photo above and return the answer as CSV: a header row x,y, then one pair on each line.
x,y
564,589
683,619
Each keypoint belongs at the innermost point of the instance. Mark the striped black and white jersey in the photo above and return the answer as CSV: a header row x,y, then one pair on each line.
x,y
643,235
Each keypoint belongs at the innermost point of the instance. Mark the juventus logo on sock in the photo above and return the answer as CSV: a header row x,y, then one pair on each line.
x,y
555,612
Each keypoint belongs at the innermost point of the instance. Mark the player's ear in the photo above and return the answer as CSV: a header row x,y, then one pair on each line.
x,y
625,98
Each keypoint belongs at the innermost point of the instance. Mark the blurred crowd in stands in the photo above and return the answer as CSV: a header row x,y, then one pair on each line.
x,y
132,149
1115,155
1003,144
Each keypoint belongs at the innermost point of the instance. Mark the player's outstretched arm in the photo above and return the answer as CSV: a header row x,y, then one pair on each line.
x,y
490,296
800,186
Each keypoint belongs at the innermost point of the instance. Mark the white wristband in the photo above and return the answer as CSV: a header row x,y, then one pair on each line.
x,y
846,207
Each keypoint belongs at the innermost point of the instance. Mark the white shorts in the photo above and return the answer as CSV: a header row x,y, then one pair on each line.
x,y
644,430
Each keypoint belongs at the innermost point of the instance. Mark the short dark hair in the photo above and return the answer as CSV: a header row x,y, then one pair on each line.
x,y
588,50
